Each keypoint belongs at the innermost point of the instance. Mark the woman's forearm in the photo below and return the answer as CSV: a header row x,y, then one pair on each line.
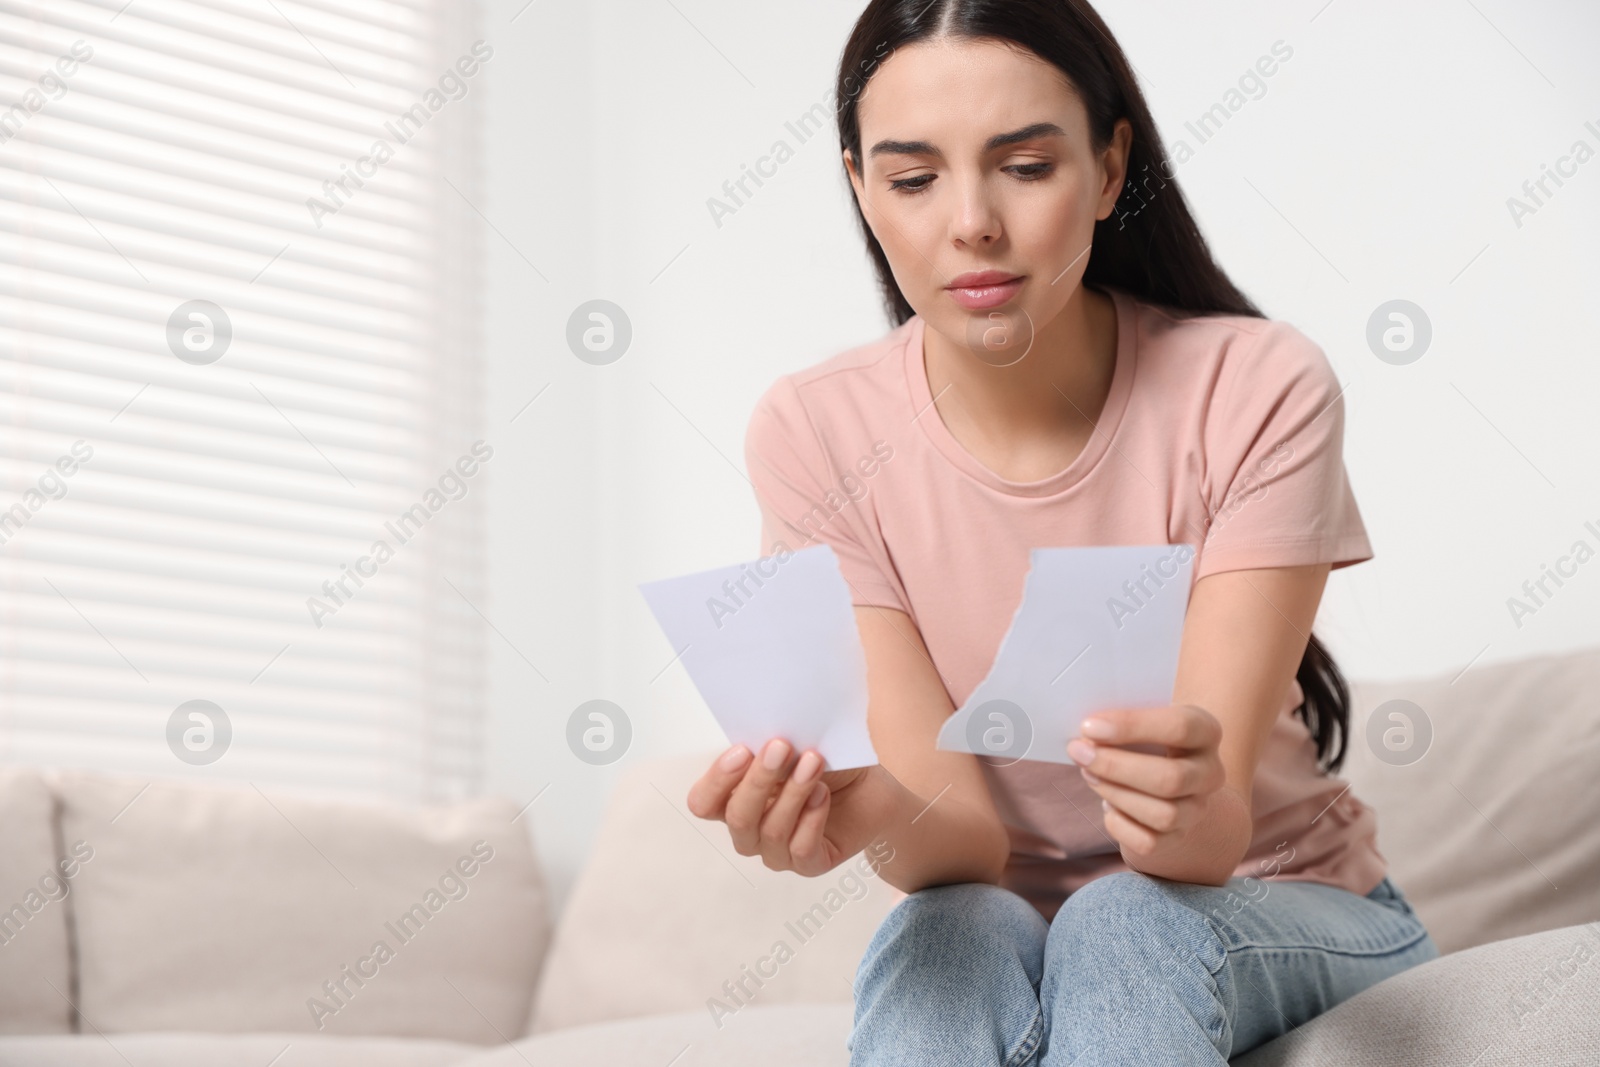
x,y
936,840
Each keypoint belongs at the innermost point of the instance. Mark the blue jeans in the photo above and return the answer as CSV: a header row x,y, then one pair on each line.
x,y
1131,970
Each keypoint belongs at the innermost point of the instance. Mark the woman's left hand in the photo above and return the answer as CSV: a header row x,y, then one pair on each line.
x,y
1159,774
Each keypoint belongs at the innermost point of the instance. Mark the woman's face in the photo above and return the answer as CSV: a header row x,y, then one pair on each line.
x,y
977,158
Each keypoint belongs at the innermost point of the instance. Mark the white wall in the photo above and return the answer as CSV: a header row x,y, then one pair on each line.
x,y
1377,165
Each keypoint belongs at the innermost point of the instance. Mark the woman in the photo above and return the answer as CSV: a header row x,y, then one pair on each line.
x,y
1069,367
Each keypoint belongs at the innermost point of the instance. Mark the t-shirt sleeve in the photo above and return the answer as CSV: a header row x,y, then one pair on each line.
x,y
804,501
1277,492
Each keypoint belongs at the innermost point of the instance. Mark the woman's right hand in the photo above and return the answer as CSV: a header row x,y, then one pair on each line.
x,y
792,814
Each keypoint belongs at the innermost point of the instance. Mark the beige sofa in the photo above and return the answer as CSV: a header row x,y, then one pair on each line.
x,y
164,923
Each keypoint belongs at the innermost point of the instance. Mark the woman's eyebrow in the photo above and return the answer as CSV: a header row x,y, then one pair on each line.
x,y
999,140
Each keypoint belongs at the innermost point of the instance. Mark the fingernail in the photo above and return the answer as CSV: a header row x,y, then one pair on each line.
x,y
1096,728
734,758
808,766
1089,776
817,796
1081,751
777,751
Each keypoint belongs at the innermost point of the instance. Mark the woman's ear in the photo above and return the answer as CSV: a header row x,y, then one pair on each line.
x,y
1114,165
856,183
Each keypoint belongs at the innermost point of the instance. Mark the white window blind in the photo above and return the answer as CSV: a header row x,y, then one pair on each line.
x,y
168,517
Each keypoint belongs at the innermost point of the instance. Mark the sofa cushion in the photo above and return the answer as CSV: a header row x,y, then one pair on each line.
x,y
35,968
1492,832
666,916
1526,1000
780,1035
225,908
230,1050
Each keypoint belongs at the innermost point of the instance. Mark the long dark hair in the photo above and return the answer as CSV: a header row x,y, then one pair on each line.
x,y
1149,246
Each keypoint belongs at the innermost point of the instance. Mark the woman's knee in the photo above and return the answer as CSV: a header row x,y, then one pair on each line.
x,y
1135,916
959,918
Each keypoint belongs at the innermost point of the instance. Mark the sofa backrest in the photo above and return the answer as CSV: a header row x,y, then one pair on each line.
x,y
666,916
1487,788
222,907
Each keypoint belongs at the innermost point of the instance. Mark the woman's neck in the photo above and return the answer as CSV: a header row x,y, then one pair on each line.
x,y
1031,418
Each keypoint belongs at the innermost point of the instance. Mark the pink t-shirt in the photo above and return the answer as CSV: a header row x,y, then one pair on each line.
x,y
1220,423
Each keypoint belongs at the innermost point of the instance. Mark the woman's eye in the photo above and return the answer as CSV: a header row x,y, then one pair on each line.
x,y
1031,172
909,185
1028,172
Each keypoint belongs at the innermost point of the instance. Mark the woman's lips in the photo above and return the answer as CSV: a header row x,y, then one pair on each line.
x,y
986,294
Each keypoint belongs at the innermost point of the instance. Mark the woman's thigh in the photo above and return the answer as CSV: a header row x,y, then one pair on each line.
x,y
951,976
1248,961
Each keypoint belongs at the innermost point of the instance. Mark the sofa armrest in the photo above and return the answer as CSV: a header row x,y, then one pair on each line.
x,y
35,964
1528,999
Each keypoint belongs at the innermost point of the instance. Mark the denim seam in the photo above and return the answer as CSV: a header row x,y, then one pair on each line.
x,y
1221,1016
1029,1044
1421,935
1222,943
